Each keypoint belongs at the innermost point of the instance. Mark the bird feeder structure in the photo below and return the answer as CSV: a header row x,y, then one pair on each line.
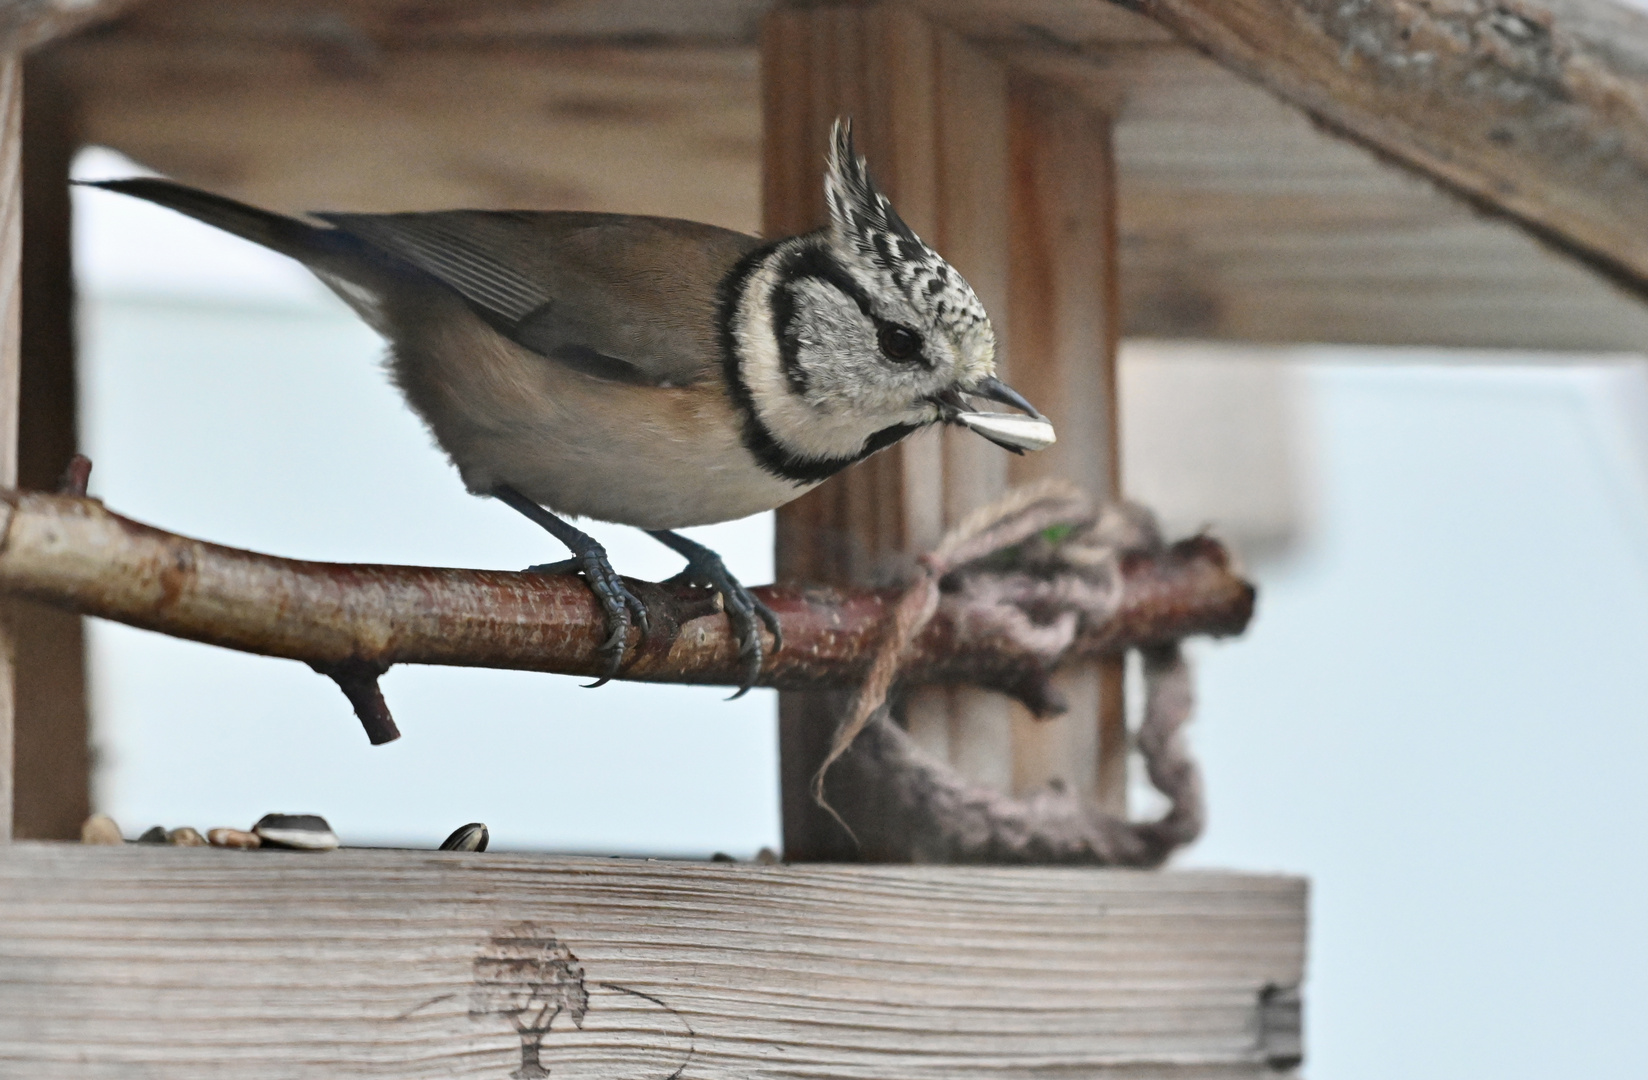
x,y
1278,171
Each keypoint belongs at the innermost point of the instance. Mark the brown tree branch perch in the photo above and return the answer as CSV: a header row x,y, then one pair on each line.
x,y
351,621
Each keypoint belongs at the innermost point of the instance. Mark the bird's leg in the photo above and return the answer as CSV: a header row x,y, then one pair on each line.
x,y
590,558
704,567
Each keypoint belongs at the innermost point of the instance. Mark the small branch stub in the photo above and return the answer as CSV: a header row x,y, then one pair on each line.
x,y
358,679
76,476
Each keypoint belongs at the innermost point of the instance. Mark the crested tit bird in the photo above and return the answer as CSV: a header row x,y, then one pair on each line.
x,y
650,371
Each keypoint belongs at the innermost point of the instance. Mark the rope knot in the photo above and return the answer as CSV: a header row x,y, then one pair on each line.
x,y
1038,562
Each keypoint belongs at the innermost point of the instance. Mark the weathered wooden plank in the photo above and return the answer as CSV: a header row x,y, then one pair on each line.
x,y
298,127
369,24
1241,220
1538,111
1068,25
121,962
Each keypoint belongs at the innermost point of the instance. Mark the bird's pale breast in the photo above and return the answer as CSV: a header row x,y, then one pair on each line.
x,y
653,457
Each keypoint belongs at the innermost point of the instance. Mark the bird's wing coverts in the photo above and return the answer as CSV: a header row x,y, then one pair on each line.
x,y
632,299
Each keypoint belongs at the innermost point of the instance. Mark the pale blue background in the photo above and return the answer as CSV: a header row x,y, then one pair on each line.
x,y
1440,713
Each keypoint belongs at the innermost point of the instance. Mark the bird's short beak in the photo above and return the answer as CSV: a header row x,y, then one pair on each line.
x,y
1032,431
996,390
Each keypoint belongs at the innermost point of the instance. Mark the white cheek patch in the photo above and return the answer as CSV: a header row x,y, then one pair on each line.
x,y
799,427
836,346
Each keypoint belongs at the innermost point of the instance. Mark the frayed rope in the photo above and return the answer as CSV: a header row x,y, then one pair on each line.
x,y
1067,562
1019,515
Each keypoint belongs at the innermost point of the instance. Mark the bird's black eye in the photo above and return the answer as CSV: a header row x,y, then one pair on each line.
x,y
899,343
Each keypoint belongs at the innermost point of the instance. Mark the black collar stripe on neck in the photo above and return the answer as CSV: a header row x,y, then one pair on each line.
x,y
782,303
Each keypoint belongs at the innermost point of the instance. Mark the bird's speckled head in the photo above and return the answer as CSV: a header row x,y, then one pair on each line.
x,y
876,246
845,340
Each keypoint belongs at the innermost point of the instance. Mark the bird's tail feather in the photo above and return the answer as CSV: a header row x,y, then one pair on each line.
x,y
287,235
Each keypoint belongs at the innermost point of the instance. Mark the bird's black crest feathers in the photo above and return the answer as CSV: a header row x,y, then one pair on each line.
x,y
859,213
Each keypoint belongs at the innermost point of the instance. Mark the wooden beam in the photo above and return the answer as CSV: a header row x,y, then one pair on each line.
x,y
973,174
27,24
930,114
195,964
366,25
11,246
606,127
53,760
1065,315
1534,110
1240,219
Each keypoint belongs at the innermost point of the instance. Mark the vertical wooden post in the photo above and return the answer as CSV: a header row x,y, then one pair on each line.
x,y
52,757
11,237
1065,311
930,113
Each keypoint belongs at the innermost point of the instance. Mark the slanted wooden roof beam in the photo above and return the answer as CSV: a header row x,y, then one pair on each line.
x,y
1534,109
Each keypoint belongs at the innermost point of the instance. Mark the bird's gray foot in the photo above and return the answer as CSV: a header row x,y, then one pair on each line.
x,y
745,611
622,608
617,601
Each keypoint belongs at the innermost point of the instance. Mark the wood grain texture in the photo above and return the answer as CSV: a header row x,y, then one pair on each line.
x,y
973,231
929,112
1068,24
318,124
195,964
1241,220
418,23
817,64
1065,297
1538,109
11,249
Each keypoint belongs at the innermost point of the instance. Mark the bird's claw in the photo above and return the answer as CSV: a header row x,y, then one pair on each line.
x,y
745,612
623,609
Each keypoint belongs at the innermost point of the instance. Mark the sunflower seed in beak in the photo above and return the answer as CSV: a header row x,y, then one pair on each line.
x,y
1015,433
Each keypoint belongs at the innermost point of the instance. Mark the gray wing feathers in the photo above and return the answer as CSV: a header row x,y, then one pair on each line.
x,y
441,246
